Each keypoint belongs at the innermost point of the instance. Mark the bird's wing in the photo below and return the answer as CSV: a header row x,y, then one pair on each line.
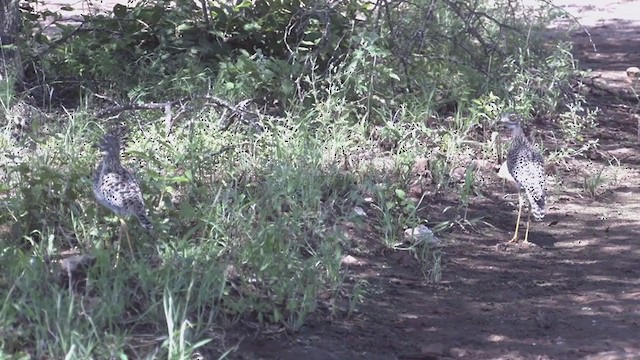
x,y
131,187
109,190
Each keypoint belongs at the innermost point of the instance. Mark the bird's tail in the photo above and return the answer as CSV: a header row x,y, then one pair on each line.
x,y
144,221
537,201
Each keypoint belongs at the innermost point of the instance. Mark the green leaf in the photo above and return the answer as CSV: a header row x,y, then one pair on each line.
x,y
184,27
242,5
179,179
253,26
219,14
394,76
369,5
276,315
187,211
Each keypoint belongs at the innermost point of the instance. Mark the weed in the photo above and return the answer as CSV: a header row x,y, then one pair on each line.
x,y
593,183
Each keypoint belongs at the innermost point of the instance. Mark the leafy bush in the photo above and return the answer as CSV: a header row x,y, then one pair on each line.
x,y
291,52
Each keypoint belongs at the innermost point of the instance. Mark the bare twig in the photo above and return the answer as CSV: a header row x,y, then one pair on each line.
x,y
63,39
237,110
141,106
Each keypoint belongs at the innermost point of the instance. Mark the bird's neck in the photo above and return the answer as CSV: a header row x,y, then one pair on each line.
x,y
111,160
518,134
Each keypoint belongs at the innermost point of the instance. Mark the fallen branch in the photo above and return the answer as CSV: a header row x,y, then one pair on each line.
x,y
237,111
620,93
139,106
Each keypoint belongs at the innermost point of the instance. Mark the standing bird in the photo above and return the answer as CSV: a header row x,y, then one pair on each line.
x,y
116,187
526,166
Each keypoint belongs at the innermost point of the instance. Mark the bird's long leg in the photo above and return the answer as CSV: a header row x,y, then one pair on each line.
x,y
124,226
119,242
520,202
526,234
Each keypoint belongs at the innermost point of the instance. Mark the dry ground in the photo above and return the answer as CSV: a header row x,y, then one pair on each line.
x,y
575,295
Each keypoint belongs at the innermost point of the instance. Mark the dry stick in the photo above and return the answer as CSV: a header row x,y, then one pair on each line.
x,y
591,82
166,106
142,106
163,105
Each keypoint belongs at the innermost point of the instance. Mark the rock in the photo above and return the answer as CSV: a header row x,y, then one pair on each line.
x,y
422,233
435,350
359,211
350,260
421,166
73,270
458,174
77,264
458,353
633,73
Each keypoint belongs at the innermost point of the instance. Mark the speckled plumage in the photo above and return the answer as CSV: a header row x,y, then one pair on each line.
x,y
526,166
116,187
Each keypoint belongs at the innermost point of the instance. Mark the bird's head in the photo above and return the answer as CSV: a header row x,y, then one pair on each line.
x,y
109,145
510,120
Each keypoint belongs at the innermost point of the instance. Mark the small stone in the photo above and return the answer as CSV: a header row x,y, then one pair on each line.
x,y
458,352
484,165
77,263
435,349
422,233
350,260
359,211
73,270
421,166
458,174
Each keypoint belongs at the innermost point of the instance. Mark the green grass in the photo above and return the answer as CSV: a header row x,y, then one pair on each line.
x,y
249,224
254,232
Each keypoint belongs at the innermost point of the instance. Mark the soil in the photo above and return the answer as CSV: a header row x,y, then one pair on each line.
x,y
572,294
